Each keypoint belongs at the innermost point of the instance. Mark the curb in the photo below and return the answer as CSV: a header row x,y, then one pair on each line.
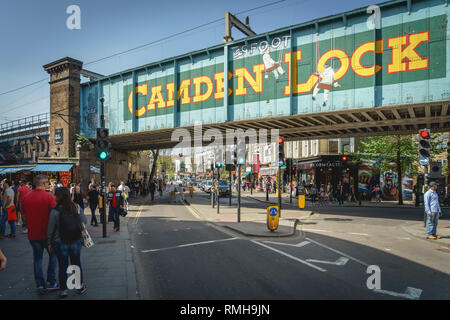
x,y
274,235
132,293
223,225
348,206
434,242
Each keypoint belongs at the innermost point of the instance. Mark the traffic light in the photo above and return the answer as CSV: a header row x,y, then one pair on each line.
x,y
344,158
294,170
218,165
280,151
289,164
240,160
102,144
424,145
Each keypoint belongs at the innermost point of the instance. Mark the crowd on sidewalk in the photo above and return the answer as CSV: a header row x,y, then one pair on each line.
x,y
53,217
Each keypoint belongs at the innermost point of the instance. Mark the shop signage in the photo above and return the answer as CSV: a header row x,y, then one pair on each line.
x,y
65,178
59,136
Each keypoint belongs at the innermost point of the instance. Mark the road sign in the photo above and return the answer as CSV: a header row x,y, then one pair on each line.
x,y
273,211
424,161
273,215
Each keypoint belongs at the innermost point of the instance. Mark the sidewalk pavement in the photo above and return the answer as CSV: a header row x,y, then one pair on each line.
x,y
285,198
417,230
108,267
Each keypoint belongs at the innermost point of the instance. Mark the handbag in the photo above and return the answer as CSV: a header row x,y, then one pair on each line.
x,y
87,240
12,214
123,212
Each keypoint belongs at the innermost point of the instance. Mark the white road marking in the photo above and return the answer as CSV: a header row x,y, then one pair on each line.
x,y
339,262
410,293
189,245
298,245
359,234
339,252
289,256
403,238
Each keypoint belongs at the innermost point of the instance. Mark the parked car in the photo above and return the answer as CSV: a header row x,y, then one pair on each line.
x,y
224,189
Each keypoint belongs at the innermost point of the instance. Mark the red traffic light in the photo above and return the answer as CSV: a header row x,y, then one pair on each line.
x,y
280,140
344,158
424,134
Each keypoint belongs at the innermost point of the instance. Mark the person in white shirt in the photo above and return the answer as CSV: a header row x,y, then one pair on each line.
x,y
326,82
271,66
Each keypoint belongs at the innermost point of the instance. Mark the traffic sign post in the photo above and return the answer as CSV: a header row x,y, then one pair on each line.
x,y
273,215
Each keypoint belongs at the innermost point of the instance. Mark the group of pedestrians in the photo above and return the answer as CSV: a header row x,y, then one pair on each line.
x,y
54,223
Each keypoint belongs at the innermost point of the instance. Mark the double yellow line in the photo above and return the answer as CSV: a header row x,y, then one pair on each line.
x,y
136,218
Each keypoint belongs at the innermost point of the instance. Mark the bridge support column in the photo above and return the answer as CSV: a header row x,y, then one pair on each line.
x,y
64,106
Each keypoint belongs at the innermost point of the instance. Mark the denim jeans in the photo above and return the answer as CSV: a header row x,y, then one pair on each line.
x,y
38,251
114,214
3,220
432,223
64,251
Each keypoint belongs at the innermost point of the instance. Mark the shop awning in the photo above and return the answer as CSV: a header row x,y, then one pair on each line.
x,y
53,167
245,174
6,170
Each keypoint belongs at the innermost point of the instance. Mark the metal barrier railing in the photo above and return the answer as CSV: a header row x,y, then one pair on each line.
x,y
25,124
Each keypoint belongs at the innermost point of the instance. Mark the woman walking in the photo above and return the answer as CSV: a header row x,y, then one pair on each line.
x,y
64,236
79,198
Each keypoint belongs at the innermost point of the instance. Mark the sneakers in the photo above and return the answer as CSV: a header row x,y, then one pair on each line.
x,y
52,287
12,236
431,237
41,290
25,230
63,294
82,290
437,237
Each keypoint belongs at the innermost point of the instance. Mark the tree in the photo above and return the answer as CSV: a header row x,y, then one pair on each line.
x,y
400,151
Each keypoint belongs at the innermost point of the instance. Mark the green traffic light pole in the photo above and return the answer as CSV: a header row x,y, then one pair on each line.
x,y
217,189
239,194
103,176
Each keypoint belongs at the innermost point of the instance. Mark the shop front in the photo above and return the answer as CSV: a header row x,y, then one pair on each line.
x,y
63,172
321,170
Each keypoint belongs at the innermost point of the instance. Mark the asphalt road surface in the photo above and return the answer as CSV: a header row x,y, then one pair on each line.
x,y
178,256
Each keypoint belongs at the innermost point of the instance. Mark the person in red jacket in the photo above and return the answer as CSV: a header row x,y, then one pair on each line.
x,y
36,207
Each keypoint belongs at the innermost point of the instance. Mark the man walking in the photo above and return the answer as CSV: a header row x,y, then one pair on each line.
x,y
36,207
116,202
433,211
93,203
8,204
152,189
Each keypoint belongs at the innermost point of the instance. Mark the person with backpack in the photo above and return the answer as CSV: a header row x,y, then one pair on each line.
x,y
64,236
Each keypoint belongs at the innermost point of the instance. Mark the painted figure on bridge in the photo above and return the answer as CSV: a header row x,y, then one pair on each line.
x,y
271,66
326,82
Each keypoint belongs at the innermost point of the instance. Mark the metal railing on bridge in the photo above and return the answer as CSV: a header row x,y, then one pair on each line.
x,y
28,124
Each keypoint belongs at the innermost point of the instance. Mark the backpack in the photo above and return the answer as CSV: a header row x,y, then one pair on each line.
x,y
69,226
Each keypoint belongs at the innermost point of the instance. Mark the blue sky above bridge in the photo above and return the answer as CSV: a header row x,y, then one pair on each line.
x,y
34,33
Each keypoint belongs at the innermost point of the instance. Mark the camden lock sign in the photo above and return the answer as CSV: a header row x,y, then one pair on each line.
x,y
261,70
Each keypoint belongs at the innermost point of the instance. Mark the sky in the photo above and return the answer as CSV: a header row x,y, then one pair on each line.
x,y
34,33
